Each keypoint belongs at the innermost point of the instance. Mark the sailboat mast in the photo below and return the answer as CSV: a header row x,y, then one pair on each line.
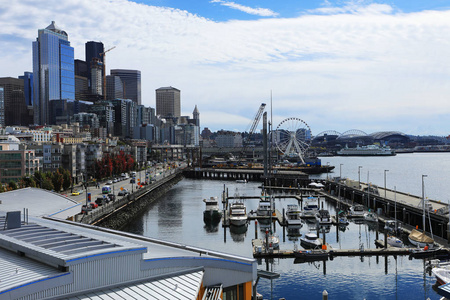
x,y
423,202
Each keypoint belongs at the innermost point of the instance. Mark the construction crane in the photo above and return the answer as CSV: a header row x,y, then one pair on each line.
x,y
104,70
252,130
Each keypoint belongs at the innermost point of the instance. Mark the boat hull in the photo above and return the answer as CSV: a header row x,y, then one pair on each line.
x,y
212,216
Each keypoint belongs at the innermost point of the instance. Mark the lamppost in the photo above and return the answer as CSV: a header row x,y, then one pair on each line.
x,y
385,183
359,177
328,168
423,203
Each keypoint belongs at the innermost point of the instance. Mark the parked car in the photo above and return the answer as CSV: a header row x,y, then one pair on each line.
x,y
100,201
93,205
109,182
85,208
123,192
112,197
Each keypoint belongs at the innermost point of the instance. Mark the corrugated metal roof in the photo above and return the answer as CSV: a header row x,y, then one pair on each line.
x,y
184,286
61,245
17,271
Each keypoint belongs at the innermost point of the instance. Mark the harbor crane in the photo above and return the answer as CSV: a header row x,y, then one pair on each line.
x,y
252,130
104,70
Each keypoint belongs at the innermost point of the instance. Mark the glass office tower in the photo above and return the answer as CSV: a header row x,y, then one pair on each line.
x,y
53,70
131,80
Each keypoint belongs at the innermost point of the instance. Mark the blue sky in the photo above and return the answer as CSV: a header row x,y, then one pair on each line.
x,y
337,65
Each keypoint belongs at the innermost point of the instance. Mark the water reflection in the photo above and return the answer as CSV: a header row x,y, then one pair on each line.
x,y
238,233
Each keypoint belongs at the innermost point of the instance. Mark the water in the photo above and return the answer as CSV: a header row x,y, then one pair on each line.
x,y
178,217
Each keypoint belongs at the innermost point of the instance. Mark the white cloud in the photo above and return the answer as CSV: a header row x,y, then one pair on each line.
x,y
367,67
263,12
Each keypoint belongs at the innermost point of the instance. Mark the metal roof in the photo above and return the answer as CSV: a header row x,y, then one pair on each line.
x,y
184,286
60,247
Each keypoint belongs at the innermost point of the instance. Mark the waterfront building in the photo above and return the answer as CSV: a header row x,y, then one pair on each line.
x,y
114,87
228,139
70,260
131,80
168,102
53,70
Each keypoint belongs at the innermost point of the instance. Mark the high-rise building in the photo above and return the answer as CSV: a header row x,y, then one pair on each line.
x,y
96,77
93,50
53,70
131,80
14,107
81,68
168,103
196,116
114,87
28,87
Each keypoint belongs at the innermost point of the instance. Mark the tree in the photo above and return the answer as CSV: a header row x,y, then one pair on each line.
x,y
12,185
57,180
67,179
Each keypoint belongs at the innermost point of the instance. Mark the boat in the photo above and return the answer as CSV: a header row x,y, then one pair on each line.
x,y
369,150
323,217
241,181
420,239
370,217
264,209
356,211
442,274
292,215
417,238
341,220
394,241
238,214
311,255
311,241
271,241
212,213
310,211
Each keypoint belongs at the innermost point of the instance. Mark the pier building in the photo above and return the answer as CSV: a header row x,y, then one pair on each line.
x,y
46,257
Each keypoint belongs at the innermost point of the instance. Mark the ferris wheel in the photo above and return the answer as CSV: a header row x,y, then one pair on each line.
x,y
293,137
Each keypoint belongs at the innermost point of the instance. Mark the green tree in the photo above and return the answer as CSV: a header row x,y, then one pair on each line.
x,y
67,179
13,185
47,184
57,180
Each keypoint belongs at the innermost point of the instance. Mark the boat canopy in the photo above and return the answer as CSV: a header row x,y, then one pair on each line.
x,y
420,237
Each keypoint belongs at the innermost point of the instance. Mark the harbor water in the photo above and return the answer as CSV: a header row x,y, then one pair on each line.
x,y
178,216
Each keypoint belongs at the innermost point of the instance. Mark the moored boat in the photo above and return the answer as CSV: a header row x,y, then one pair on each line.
x,y
370,217
442,274
311,241
309,211
369,150
323,217
292,215
212,213
311,255
238,214
420,239
264,209
356,211
394,241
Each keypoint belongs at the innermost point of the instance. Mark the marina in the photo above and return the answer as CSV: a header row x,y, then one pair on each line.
x,y
378,276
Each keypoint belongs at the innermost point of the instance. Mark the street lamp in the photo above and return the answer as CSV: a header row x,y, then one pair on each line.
x,y
385,183
359,177
328,168
423,202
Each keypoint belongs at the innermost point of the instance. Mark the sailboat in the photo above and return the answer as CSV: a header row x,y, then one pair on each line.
x,y
417,238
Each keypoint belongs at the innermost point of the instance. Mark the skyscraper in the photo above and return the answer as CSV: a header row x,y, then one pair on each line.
x,y
53,70
168,103
114,87
28,87
93,50
131,80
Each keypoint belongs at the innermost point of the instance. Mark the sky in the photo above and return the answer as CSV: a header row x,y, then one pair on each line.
x,y
335,65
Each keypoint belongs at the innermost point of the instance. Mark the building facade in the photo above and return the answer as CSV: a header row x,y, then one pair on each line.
x,y
93,51
53,70
15,110
168,103
114,87
131,80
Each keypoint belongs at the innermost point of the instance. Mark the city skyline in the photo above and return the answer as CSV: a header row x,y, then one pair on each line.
x,y
372,66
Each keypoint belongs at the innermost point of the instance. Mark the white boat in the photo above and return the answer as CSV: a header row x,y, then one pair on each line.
x,y
264,209
420,239
273,241
370,217
356,211
442,274
394,241
323,217
369,150
310,211
212,212
238,214
292,215
311,241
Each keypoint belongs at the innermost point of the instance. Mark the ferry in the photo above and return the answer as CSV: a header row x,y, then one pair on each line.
x,y
369,150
